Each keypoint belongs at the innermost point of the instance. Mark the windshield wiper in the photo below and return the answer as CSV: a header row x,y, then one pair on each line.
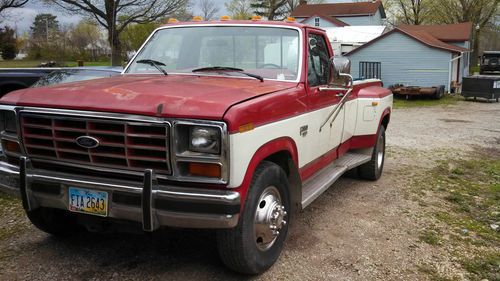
x,y
228,68
157,64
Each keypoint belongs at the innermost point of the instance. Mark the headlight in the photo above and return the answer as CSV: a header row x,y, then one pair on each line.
x,y
8,121
204,139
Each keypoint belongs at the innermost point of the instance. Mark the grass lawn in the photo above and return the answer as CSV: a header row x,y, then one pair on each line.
x,y
464,211
35,63
426,101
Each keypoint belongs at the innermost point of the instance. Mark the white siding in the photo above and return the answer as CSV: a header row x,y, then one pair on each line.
x,y
405,61
465,60
322,22
363,20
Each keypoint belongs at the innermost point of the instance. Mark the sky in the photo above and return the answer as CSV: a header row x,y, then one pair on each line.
x,y
22,18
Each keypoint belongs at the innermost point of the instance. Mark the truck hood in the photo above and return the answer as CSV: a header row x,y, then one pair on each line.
x,y
180,96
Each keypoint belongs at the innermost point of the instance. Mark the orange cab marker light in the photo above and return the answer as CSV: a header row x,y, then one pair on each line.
x,y
172,20
197,18
205,170
256,18
290,19
246,127
224,18
11,146
374,103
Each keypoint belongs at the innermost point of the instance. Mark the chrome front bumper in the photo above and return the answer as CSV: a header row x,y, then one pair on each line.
x,y
149,203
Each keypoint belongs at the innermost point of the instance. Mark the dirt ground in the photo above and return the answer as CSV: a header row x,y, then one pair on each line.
x,y
357,230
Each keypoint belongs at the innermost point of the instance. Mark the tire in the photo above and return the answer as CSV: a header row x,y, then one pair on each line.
x,y
56,222
439,92
372,170
251,247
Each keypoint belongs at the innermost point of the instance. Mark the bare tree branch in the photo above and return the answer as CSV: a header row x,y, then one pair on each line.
x,y
6,4
208,9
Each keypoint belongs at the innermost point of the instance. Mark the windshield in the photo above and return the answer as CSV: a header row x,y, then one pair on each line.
x,y
72,75
272,53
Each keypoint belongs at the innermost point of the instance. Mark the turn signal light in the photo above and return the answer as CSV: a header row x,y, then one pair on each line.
x,y
172,20
256,18
11,146
246,128
205,170
225,18
197,18
290,19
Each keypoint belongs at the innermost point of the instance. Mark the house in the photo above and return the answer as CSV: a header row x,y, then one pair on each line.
x,y
416,55
340,14
347,38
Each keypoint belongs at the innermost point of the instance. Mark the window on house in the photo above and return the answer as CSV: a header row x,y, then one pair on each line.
x,y
369,70
316,21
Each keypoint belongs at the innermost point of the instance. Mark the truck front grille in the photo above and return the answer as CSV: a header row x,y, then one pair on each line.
x,y
122,144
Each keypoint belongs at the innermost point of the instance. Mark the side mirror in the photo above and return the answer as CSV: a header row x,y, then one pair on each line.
x,y
341,69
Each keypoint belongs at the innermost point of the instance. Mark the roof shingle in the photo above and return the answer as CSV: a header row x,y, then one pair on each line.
x,y
444,32
338,9
421,34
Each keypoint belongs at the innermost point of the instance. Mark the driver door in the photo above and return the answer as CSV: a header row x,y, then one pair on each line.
x,y
322,102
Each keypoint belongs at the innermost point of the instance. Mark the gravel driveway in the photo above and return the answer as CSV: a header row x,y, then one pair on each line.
x,y
357,230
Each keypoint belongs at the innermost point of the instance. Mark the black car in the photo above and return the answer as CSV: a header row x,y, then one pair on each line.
x,y
490,62
74,74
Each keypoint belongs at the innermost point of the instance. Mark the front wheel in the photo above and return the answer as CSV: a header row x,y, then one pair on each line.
x,y
372,170
256,243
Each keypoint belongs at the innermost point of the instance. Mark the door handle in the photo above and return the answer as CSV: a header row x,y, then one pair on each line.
x,y
339,95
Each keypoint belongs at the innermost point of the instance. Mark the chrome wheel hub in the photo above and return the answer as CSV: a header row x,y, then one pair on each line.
x,y
269,218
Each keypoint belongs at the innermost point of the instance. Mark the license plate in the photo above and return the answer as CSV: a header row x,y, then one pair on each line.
x,y
88,201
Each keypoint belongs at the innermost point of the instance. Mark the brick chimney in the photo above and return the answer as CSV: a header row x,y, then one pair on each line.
x,y
303,2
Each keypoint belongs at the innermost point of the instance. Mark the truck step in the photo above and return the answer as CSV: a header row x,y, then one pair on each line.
x,y
319,183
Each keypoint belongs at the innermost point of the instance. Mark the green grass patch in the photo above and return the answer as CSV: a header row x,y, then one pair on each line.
x,y
469,190
431,237
474,69
35,63
484,267
446,100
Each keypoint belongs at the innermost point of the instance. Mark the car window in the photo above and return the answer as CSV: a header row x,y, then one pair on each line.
x,y
318,68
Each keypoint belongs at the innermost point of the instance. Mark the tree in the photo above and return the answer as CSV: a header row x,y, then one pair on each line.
x,y
84,36
482,13
209,9
6,4
271,9
239,9
134,35
116,15
412,11
43,26
8,44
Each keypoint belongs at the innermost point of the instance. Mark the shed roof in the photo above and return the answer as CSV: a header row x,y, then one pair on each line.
x,y
419,35
444,32
339,9
332,20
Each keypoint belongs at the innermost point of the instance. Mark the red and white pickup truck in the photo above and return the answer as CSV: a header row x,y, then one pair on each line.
x,y
229,125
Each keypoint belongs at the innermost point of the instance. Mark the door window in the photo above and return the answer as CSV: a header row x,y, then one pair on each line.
x,y
318,68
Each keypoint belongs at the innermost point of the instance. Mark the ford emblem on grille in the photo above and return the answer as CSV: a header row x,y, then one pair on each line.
x,y
87,142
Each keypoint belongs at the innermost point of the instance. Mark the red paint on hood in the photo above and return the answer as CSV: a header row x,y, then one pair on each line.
x,y
182,96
